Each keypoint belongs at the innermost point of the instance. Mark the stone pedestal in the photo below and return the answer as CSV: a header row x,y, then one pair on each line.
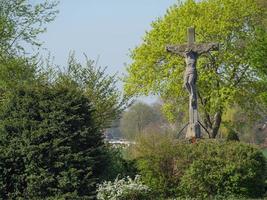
x,y
193,131
193,128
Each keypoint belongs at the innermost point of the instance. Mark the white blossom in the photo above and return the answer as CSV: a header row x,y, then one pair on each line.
x,y
120,188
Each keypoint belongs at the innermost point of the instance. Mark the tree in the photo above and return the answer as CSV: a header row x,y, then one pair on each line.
x,y
234,75
137,118
99,87
16,71
21,22
50,146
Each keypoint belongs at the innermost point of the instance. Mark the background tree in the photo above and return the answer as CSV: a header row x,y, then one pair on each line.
x,y
237,121
139,117
234,75
136,119
99,87
21,22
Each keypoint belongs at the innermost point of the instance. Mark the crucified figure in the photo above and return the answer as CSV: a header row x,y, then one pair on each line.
x,y
190,75
191,51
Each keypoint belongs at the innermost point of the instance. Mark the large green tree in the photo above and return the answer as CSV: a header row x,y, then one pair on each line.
x,y
234,75
21,21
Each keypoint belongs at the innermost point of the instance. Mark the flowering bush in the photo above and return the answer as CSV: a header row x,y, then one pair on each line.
x,y
124,189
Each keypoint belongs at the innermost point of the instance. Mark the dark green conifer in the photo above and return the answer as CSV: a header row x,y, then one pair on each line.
x,y
50,147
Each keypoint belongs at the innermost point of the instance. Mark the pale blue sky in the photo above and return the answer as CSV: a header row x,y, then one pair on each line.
x,y
105,28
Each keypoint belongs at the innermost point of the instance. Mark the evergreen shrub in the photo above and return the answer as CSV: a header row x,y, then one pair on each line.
x,y
50,147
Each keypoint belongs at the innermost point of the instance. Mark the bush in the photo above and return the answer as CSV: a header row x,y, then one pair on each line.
x,y
232,136
223,168
49,145
124,189
116,164
206,169
157,160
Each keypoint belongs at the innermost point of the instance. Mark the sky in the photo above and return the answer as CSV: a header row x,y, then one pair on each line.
x,y
102,29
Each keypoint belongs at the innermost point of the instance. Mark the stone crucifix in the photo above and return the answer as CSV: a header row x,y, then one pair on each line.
x,y
191,51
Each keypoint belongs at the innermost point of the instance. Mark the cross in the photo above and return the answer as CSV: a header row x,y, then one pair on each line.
x,y
191,45
191,51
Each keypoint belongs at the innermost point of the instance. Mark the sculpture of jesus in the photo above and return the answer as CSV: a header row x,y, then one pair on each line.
x,y
191,52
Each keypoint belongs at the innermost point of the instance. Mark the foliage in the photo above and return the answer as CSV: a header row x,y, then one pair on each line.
x,y
225,169
263,4
236,119
142,118
117,165
16,71
264,151
49,144
124,189
232,136
205,169
137,118
99,87
21,22
160,162
42,156
234,75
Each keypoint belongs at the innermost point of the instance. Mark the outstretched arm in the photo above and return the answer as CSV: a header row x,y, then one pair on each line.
x,y
176,49
206,47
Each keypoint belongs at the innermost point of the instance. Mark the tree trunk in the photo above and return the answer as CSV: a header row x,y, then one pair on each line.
x,y
216,124
213,125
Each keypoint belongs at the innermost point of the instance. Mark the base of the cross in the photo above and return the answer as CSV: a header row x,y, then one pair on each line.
x,y
193,131
193,128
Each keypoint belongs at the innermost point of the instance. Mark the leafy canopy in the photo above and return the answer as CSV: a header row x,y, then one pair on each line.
x,y
21,22
234,75
99,87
